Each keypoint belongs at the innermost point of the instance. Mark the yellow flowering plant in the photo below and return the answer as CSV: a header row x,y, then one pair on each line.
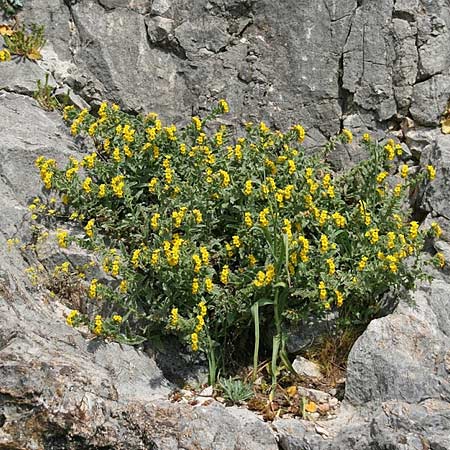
x,y
208,236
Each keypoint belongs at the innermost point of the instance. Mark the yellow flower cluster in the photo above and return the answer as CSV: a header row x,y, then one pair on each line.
x,y
373,235
98,325
413,230
117,319
348,135
265,278
5,55
118,184
300,131
304,243
172,250
174,317
89,228
45,167
93,288
248,188
223,105
78,121
431,172
71,317
61,236
362,263
225,274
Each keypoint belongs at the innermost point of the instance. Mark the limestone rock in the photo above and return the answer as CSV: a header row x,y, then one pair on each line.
x,y
306,368
400,357
435,196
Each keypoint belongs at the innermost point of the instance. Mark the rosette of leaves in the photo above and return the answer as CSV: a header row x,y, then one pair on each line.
x,y
27,43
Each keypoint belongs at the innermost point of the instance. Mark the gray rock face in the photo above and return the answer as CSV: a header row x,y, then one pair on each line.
x,y
435,197
383,59
401,356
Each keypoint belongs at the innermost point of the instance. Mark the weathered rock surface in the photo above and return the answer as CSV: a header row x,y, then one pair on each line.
x,y
315,62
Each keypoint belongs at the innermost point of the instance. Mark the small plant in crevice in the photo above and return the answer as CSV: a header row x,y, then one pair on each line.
x,y
235,391
208,236
44,95
26,43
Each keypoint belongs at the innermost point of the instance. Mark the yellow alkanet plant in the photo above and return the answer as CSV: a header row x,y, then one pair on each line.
x,y
211,232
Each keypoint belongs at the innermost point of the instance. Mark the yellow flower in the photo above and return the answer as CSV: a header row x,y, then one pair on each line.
x,y
223,105
339,297
248,188
437,230
197,263
348,135
195,286
197,123
389,148
291,167
155,257
117,184
87,185
205,255
115,267
61,236
381,177
123,286
322,291
440,259
154,221
263,128
287,228
89,228
93,288
263,217
251,260
324,244
362,264
116,155
339,220
224,275
71,317
366,137
404,170
392,263
413,229
260,279
116,318
300,131
152,184
331,266
431,172
372,235
102,191
98,325
194,342
174,317
5,55
323,217
305,248
209,285
248,219
391,240
197,216
236,241
225,178
135,257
